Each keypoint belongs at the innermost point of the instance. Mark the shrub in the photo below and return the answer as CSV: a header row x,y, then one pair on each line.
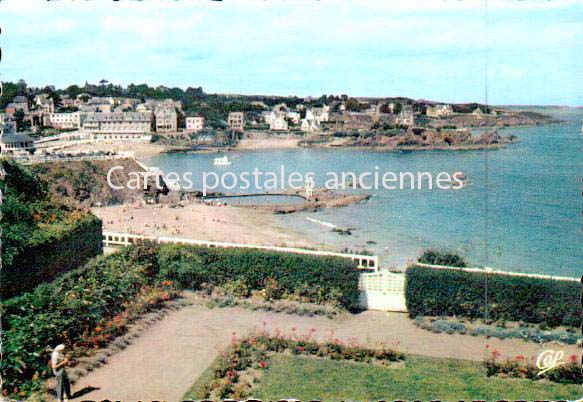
x,y
440,257
440,292
331,279
86,307
42,237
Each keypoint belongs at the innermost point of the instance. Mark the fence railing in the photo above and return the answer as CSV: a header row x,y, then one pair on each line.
x,y
49,159
125,239
487,270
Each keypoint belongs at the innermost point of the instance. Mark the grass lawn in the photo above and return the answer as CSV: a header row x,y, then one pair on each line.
x,y
306,378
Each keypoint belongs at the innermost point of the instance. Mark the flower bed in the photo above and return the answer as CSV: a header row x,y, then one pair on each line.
x,y
85,309
236,369
528,333
570,372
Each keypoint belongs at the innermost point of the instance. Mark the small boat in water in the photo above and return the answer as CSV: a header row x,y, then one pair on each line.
x,y
222,161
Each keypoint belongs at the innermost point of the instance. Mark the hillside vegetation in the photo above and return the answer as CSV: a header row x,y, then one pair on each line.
x,y
84,183
42,236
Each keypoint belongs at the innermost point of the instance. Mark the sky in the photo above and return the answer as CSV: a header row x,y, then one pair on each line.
x,y
499,51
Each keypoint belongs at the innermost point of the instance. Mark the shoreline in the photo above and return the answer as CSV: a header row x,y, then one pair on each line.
x,y
203,222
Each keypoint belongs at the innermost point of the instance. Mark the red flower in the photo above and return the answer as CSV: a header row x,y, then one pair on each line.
x,y
262,364
495,354
301,348
573,358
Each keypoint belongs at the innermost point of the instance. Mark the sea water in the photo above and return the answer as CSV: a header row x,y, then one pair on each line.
x,y
521,210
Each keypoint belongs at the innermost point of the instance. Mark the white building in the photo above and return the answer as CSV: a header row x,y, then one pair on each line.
x,y
314,118
194,124
310,125
64,120
119,126
318,114
279,123
439,111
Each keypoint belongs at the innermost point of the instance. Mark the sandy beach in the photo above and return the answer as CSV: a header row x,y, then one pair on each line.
x,y
269,141
141,149
201,222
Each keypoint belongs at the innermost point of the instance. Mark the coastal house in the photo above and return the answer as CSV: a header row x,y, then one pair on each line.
x,y
98,104
66,101
439,111
319,114
310,125
118,126
236,121
64,120
15,143
44,103
166,119
20,102
406,117
195,124
279,123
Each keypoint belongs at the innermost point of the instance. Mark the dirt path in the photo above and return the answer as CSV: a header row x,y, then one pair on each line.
x,y
163,363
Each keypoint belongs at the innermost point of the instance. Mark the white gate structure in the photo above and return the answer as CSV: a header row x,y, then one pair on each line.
x,y
382,290
379,290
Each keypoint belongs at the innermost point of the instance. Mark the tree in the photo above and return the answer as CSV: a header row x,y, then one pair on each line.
x,y
73,91
397,108
19,118
352,105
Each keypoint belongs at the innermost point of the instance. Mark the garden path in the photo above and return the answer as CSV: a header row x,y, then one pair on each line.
x,y
169,356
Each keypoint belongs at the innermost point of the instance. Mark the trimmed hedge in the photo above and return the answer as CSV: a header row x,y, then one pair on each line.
x,y
67,310
60,252
438,292
334,278
70,308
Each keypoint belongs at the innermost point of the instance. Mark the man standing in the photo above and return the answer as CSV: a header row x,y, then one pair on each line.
x,y
58,363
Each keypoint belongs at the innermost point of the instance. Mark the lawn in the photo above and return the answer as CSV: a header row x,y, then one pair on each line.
x,y
306,378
